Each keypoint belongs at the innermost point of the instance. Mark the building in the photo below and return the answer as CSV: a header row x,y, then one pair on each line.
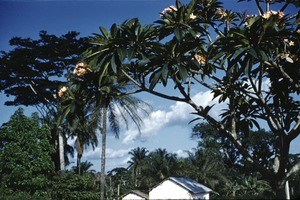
x,y
179,188
136,195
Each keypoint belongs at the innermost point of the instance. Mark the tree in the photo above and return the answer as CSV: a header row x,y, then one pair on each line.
x,y
258,142
84,168
32,71
136,162
25,154
252,67
106,102
159,165
120,182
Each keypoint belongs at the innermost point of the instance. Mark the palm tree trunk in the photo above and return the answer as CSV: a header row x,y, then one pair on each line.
x,y
103,157
61,150
79,164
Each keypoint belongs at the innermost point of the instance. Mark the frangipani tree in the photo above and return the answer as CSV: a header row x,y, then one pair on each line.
x,y
248,61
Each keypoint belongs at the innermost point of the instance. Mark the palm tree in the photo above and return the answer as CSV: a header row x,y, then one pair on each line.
x,y
59,133
136,162
103,101
114,105
160,165
84,167
81,123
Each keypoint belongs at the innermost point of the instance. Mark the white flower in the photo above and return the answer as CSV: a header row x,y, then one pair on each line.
x,y
200,59
62,91
81,69
168,10
192,16
268,14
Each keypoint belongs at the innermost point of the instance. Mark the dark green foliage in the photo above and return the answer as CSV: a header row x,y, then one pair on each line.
x,y
25,162
34,69
72,186
252,67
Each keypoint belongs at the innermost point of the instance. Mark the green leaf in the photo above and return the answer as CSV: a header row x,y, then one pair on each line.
x,y
263,55
178,34
104,32
130,22
164,72
239,52
121,53
252,52
113,30
113,64
154,79
182,72
130,53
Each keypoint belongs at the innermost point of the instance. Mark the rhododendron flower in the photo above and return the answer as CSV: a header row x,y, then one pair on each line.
x,y
81,69
168,10
200,59
62,91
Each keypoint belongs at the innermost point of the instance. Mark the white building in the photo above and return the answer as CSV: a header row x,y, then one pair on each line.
x,y
135,195
179,188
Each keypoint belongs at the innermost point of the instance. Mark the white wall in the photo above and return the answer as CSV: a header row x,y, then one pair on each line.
x,y
131,196
201,196
169,190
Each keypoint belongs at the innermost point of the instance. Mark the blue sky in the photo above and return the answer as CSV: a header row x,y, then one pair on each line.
x,y
167,126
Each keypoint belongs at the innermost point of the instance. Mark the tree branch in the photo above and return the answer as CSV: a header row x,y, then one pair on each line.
x,y
293,170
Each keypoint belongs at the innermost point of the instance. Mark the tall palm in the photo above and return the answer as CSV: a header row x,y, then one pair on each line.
x,y
115,107
105,102
59,133
136,161
81,123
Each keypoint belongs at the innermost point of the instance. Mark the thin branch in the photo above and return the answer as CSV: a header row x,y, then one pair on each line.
x,y
260,10
295,131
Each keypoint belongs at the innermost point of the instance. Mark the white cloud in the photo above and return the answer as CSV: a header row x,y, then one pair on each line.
x,y
178,114
110,153
181,153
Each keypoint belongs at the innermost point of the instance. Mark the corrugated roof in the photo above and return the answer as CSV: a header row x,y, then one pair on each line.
x,y
191,185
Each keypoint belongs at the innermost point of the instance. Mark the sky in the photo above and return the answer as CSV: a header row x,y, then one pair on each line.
x,y
167,125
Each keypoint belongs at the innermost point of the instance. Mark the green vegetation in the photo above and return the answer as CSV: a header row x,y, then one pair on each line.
x,y
251,67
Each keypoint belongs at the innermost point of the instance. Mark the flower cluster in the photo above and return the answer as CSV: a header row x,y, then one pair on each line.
x,y
200,59
221,14
62,91
168,10
270,13
81,69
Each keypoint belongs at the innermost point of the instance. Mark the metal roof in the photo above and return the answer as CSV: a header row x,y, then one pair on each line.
x,y
190,185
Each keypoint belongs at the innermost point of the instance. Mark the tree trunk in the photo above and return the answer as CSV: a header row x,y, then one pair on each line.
x,y
79,164
61,150
287,190
103,156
